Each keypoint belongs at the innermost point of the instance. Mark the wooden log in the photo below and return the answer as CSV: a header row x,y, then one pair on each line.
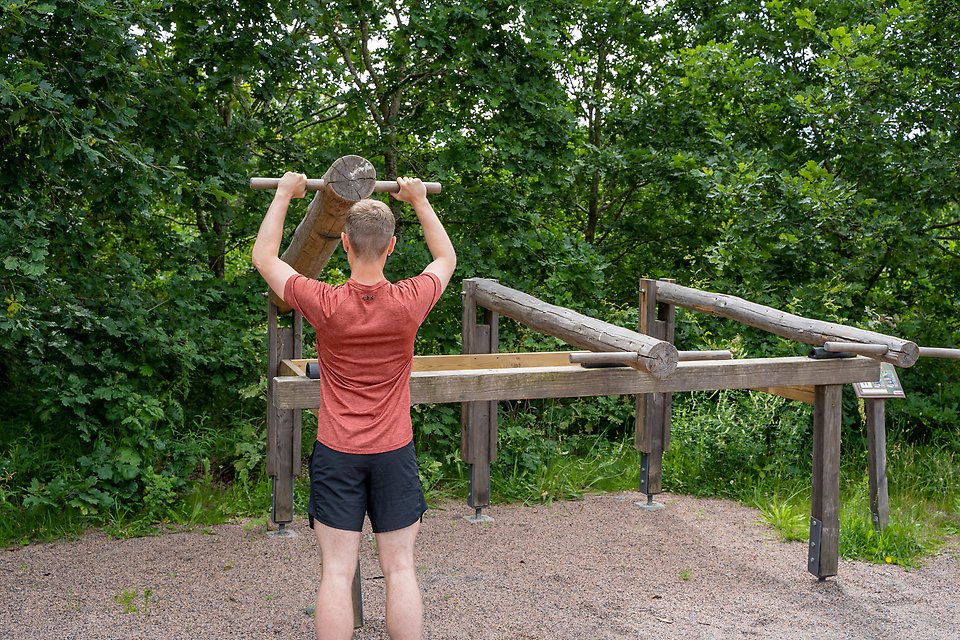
x,y
318,184
658,357
347,181
902,353
824,546
939,352
429,387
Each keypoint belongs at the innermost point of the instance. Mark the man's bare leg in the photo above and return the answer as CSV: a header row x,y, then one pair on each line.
x,y
404,602
334,612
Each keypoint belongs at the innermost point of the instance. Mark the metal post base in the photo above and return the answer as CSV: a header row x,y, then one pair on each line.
x,y
478,517
649,505
282,532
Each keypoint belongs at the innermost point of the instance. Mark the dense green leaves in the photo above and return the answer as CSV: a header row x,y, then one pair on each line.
x,y
802,155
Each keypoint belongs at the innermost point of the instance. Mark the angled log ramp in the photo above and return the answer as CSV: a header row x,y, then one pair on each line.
x,y
901,353
347,181
656,356
528,383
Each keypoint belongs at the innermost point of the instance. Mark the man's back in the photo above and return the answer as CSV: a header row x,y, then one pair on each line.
x,y
365,339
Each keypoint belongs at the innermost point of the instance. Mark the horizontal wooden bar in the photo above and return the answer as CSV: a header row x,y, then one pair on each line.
x,y
429,387
458,361
692,356
939,352
317,184
860,348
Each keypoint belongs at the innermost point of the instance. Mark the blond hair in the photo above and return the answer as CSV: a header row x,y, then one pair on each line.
x,y
369,227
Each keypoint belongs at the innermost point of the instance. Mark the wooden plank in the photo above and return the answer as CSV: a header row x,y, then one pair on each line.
x,y
902,353
430,387
825,490
801,393
877,461
285,421
578,330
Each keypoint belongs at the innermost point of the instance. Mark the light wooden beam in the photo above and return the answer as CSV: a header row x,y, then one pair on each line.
x,y
429,387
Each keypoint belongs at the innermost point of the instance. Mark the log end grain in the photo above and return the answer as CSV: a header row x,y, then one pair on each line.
x,y
351,178
660,360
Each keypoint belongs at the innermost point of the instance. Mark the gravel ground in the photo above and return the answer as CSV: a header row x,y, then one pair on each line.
x,y
595,568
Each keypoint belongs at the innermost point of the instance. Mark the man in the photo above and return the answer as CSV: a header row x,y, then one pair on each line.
x,y
363,462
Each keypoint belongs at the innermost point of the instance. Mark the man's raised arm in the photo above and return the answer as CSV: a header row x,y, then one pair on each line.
x,y
266,249
438,242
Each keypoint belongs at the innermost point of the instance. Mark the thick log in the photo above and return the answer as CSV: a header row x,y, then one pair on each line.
x,y
347,181
657,357
429,387
902,353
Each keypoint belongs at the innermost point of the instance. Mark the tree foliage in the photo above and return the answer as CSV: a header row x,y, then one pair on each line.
x,y
802,155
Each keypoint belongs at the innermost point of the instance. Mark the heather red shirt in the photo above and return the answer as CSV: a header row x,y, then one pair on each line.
x,y
365,336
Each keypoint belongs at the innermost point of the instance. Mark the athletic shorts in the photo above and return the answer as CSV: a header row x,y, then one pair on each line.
x,y
346,486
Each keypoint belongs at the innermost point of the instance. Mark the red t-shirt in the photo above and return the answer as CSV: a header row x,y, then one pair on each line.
x,y
365,336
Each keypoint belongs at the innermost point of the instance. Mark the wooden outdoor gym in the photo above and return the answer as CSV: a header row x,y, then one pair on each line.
x,y
608,360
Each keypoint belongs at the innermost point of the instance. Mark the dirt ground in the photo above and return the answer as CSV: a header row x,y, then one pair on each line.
x,y
595,568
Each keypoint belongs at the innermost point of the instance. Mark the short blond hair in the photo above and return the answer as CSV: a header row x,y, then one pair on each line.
x,y
369,227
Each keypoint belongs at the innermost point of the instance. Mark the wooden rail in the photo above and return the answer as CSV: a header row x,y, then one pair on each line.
x,y
656,356
902,353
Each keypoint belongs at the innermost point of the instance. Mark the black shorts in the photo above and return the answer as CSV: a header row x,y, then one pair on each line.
x,y
346,486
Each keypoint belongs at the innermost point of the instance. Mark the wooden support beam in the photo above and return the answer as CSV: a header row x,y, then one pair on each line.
x,y
902,353
429,387
654,410
875,409
478,420
658,357
347,181
824,546
283,424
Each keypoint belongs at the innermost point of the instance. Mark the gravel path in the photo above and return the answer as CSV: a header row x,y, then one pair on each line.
x,y
595,568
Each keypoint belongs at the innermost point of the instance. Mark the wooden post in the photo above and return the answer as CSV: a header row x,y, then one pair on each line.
x,y
657,320
478,420
283,426
347,181
824,548
877,461
656,356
